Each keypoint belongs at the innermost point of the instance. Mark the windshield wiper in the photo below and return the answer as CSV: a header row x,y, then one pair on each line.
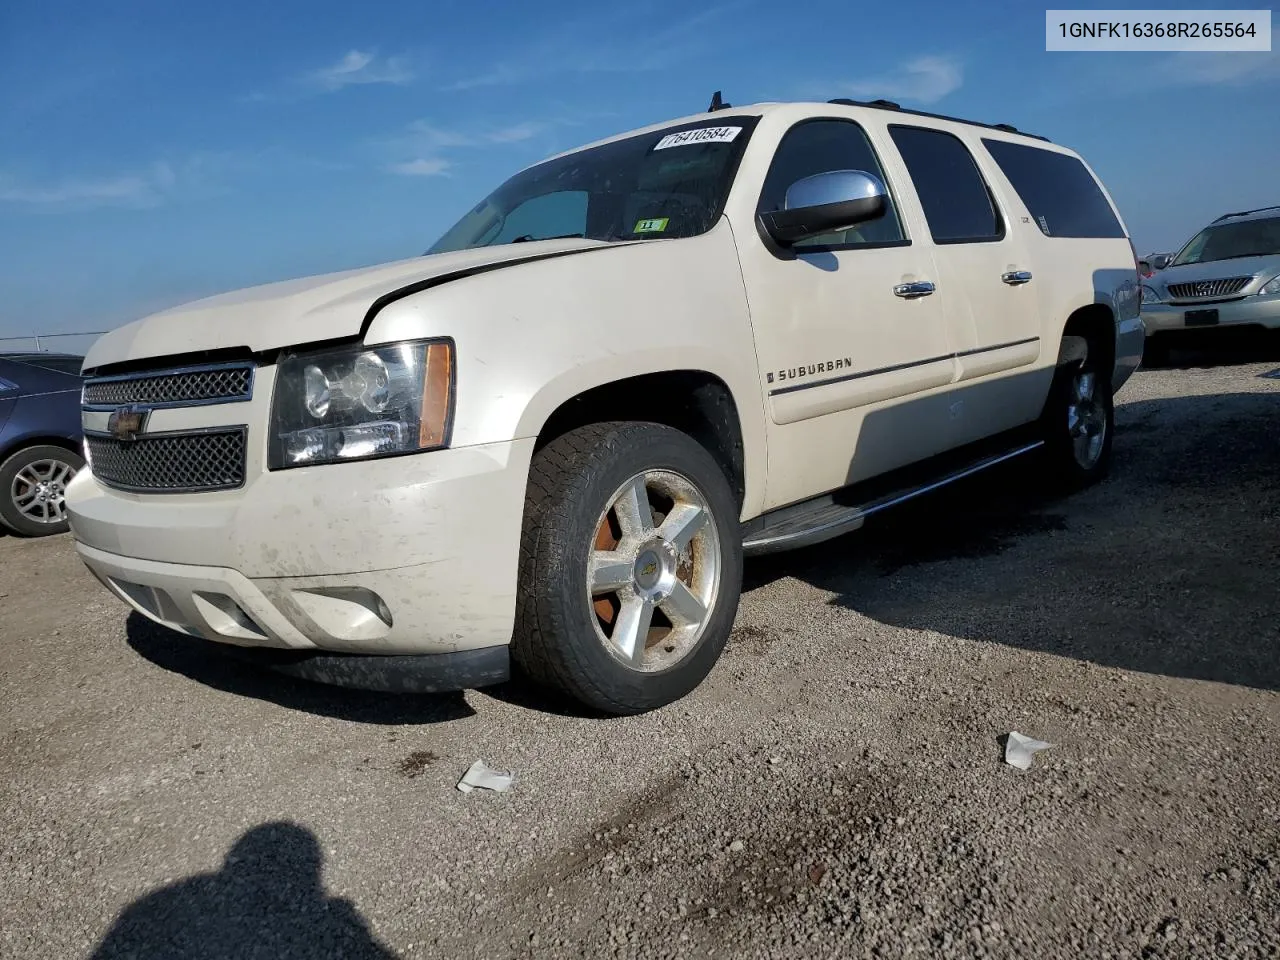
x,y
526,237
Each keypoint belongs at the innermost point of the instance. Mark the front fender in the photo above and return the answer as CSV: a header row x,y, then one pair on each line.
x,y
534,335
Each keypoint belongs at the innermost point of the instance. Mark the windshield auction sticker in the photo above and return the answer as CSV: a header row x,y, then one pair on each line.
x,y
1153,30
702,135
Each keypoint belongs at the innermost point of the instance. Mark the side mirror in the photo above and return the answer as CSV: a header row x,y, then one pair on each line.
x,y
1160,260
826,202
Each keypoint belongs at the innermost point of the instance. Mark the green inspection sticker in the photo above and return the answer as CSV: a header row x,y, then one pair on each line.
x,y
656,225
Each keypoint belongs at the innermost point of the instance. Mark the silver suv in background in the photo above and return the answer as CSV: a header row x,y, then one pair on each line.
x,y
1228,274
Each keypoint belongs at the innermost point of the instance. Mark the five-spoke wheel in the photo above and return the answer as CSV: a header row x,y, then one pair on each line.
x,y
654,570
631,565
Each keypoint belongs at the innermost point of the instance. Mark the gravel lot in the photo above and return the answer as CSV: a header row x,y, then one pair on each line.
x,y
835,789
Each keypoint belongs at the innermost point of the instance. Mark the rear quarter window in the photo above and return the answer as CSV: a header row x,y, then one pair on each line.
x,y
1059,191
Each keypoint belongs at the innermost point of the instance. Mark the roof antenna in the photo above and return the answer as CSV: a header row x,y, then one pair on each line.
x,y
717,103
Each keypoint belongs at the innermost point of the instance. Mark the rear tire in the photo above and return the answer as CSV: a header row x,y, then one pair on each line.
x,y
625,608
33,485
1078,424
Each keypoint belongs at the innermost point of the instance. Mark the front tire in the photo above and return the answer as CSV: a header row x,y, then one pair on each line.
x,y
630,566
33,485
1078,424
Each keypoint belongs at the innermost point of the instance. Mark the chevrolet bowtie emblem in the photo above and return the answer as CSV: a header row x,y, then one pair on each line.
x,y
125,423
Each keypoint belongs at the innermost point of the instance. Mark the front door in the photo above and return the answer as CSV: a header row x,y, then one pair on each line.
x,y
847,330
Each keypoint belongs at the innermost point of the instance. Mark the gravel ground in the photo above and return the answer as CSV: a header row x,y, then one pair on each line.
x,y
835,789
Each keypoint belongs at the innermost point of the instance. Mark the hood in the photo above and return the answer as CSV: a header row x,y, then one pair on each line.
x,y
1267,267
308,310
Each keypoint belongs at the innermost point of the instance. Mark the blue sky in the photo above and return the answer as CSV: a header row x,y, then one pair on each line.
x,y
155,152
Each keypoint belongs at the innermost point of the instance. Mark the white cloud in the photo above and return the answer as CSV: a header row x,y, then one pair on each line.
x,y
428,137
1220,69
191,176
516,132
426,142
118,190
422,167
146,188
922,80
359,67
611,40
500,75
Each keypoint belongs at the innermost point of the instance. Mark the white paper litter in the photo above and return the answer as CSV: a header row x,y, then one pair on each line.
x,y
1019,750
481,775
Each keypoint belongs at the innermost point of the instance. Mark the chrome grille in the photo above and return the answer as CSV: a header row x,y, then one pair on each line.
x,y
1206,289
171,463
224,383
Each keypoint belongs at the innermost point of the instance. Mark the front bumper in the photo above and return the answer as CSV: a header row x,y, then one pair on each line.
x,y
1248,311
400,556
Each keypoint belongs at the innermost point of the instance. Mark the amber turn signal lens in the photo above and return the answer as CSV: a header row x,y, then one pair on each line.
x,y
437,388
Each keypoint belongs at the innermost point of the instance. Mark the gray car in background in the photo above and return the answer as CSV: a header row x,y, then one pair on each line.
x,y
1228,275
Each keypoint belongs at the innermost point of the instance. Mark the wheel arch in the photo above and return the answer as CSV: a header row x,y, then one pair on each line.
x,y
1095,324
693,401
18,444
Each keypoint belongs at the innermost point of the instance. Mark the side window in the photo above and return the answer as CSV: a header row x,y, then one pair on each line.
x,y
820,146
957,203
548,215
1059,191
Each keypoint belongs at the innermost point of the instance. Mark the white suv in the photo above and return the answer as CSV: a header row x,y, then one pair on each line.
x,y
553,438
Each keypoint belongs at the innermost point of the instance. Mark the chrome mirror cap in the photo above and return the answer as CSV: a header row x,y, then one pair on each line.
x,y
834,186
825,202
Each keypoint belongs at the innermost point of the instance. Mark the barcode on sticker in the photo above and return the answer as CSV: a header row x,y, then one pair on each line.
x,y
702,135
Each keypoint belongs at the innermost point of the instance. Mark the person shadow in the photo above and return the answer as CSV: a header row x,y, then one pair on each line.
x,y
267,900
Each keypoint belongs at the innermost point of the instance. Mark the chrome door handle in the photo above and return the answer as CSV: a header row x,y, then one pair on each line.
x,y
911,291
1015,277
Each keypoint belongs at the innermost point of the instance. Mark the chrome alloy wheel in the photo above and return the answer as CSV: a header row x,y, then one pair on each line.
x,y
1086,419
654,571
39,490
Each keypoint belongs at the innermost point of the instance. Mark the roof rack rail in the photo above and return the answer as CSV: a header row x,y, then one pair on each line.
x,y
890,105
1244,213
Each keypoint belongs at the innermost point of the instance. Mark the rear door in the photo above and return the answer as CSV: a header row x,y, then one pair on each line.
x,y
985,279
1074,228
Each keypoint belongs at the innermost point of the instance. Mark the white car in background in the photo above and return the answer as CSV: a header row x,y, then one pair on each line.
x,y
1228,275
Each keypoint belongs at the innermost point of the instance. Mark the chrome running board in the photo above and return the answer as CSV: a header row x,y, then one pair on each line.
x,y
822,518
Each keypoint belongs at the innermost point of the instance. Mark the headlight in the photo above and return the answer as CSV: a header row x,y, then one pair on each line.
x,y
353,403
1271,287
1149,294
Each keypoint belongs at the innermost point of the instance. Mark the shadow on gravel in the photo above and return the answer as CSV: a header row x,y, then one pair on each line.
x,y
520,691
1222,347
267,900
1169,567
214,666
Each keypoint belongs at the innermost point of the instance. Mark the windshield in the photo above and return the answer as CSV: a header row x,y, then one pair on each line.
x,y
667,183
1228,241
